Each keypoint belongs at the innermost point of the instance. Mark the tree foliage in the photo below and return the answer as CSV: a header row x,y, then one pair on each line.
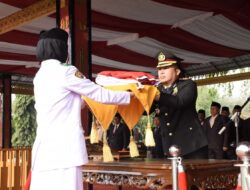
x,y
142,124
23,121
206,94
227,94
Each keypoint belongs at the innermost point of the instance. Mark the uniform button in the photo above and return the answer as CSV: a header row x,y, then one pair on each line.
x,y
168,124
166,114
190,128
170,134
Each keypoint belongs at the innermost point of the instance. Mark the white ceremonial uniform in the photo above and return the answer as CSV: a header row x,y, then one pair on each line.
x,y
60,142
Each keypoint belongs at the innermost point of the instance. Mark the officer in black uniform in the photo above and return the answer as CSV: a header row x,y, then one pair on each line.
x,y
176,106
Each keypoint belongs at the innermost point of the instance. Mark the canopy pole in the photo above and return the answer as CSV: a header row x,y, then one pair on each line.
x,y
6,117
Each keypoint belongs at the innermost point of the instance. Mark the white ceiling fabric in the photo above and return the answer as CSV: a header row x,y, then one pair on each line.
x,y
17,48
144,11
220,30
119,65
127,35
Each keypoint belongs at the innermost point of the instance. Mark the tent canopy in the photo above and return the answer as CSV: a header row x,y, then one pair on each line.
x,y
210,36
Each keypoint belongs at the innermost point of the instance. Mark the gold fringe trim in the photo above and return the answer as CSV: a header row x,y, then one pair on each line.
x,y
93,133
133,150
107,154
149,137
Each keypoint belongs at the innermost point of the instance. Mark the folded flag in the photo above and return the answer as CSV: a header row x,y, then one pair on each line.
x,y
113,78
137,82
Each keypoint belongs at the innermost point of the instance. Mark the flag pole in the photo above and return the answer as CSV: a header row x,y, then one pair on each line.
x,y
174,151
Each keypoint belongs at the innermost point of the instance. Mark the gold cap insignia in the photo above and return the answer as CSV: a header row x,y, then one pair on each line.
x,y
166,59
161,57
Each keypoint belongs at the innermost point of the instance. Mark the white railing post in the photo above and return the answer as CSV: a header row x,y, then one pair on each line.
x,y
174,151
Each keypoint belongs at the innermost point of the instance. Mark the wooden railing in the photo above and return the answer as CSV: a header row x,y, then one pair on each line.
x,y
14,168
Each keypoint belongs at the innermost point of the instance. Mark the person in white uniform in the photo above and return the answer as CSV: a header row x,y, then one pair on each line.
x,y
59,149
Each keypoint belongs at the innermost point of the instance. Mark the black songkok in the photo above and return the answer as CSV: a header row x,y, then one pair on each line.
x,y
216,104
52,44
202,111
225,108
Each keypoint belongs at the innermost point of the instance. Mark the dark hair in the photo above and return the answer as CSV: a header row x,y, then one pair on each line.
x,y
216,104
52,44
183,72
118,115
157,116
237,107
225,108
202,111
54,33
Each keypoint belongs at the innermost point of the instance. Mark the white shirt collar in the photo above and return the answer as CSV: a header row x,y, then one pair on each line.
x,y
50,62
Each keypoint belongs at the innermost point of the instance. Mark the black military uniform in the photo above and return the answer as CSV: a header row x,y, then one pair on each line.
x,y
179,121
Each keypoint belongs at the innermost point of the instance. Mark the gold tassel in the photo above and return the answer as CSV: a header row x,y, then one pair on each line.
x,y
149,137
107,155
133,150
93,133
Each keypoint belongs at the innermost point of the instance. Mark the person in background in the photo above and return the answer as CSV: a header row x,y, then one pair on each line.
x,y
59,149
246,132
99,130
225,113
157,151
176,107
232,135
118,134
137,135
201,116
217,139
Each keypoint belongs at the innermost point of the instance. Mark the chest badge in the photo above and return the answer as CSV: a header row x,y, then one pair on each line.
x,y
78,74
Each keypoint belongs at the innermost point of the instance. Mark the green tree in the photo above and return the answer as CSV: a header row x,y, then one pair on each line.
x,y
23,121
142,123
206,94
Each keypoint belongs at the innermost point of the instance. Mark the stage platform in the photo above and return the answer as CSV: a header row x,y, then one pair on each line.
x,y
156,174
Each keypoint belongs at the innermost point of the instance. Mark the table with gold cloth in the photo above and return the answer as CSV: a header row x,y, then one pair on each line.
x,y
156,174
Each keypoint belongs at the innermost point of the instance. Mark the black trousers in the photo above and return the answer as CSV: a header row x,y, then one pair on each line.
x,y
201,153
215,153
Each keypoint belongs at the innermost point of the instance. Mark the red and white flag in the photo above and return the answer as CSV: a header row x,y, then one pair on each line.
x,y
239,187
114,78
28,181
182,178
